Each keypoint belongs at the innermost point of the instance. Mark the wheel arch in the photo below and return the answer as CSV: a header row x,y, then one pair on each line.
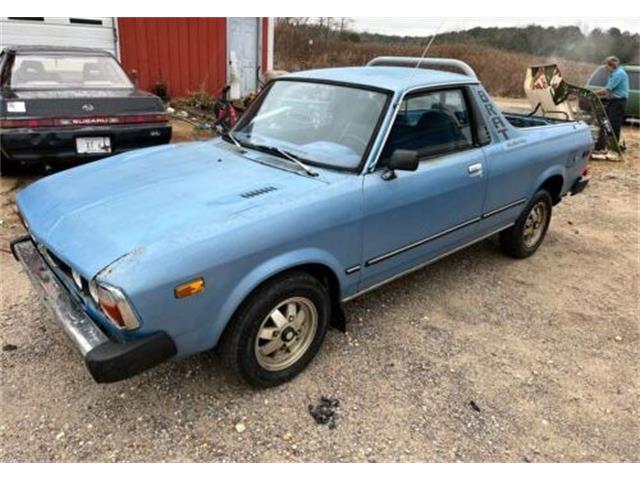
x,y
316,263
552,181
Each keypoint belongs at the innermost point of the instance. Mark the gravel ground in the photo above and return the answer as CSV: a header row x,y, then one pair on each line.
x,y
476,358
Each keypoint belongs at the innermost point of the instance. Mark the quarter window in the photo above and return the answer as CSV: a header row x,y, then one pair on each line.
x,y
431,123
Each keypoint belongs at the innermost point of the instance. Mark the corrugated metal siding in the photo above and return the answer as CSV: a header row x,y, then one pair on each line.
x,y
59,32
186,53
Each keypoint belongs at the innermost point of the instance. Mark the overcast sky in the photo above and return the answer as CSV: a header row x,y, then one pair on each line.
x,y
426,26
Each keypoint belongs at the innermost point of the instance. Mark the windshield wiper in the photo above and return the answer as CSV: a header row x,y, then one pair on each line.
x,y
283,153
229,136
296,160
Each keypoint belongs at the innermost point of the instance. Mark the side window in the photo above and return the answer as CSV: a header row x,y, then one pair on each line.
x,y
634,80
431,123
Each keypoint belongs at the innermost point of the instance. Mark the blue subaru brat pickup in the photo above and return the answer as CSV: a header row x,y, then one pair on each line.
x,y
333,183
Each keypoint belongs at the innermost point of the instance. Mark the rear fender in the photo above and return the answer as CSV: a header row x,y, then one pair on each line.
x,y
553,170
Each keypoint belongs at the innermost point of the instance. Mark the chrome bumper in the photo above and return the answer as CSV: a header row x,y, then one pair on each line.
x,y
107,360
84,334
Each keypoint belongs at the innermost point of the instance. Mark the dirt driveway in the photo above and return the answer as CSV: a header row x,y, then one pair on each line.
x,y
476,358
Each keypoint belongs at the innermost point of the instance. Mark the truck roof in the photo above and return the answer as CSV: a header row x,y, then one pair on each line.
x,y
395,79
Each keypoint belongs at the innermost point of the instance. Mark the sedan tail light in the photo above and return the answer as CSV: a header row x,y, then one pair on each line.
x,y
83,121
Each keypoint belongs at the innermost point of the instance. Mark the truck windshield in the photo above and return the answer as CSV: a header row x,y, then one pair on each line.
x,y
324,124
57,71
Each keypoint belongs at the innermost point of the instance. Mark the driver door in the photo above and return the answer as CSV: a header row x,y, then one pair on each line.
x,y
419,215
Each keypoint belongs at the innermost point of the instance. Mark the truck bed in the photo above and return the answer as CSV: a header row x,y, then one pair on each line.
x,y
520,120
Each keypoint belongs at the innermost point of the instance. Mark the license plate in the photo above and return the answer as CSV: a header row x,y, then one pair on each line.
x,y
86,145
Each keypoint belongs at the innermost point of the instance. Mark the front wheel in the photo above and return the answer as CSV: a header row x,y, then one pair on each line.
x,y
278,330
525,237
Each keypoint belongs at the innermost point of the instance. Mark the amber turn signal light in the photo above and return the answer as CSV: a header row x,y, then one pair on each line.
x,y
189,288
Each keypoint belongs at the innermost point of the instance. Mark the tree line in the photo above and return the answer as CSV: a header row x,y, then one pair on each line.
x,y
568,42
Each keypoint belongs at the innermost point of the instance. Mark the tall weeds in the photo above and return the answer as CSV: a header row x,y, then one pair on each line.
x,y
501,71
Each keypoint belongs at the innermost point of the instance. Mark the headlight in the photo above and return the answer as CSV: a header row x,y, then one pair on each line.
x,y
114,304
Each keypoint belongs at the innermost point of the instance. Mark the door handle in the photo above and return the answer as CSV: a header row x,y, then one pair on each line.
x,y
475,169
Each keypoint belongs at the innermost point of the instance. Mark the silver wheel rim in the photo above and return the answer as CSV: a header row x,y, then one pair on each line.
x,y
286,333
534,224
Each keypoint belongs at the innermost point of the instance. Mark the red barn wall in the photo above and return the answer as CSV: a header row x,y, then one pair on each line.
x,y
186,53
264,43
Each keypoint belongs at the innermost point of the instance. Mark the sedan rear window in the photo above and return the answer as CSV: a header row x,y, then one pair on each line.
x,y
52,71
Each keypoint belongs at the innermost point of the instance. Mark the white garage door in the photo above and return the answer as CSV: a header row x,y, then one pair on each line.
x,y
91,32
243,44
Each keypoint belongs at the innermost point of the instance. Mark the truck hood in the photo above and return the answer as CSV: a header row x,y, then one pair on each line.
x,y
92,215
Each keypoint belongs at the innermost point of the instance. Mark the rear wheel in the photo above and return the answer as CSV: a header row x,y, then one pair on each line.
x,y
278,330
525,237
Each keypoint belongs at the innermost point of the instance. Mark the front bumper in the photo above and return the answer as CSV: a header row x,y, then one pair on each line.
x,y
106,359
58,145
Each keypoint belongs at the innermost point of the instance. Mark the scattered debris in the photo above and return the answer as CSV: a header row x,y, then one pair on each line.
x,y
9,347
474,406
325,412
287,436
618,338
240,427
200,99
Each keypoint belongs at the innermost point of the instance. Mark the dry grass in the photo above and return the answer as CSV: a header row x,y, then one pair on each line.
x,y
502,72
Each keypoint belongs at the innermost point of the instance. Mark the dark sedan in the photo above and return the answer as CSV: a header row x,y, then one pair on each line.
x,y
60,106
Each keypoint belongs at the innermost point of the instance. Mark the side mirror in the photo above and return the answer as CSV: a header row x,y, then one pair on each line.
x,y
401,160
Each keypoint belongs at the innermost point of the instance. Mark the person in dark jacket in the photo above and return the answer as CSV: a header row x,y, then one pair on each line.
x,y
614,95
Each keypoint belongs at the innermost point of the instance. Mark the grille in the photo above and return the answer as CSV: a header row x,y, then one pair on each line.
x,y
55,262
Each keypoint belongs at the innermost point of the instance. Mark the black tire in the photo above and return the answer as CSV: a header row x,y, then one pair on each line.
x,y
513,241
237,347
7,167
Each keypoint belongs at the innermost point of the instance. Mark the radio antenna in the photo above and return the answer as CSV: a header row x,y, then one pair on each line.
x,y
424,53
